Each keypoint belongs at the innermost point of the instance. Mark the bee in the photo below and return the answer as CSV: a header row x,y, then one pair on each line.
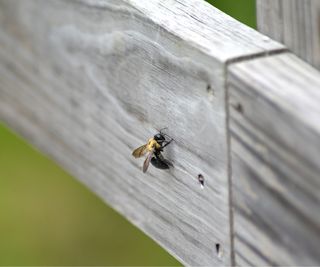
x,y
153,150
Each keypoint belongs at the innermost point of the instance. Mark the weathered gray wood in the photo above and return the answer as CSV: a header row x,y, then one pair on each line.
x,y
89,81
275,142
296,23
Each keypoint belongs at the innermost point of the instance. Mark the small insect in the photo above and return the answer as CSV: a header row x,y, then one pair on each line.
x,y
153,149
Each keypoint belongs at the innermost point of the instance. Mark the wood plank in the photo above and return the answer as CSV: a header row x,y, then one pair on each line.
x,y
91,80
294,23
207,28
275,133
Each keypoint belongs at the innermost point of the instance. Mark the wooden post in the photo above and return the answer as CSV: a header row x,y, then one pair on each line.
x,y
275,149
294,23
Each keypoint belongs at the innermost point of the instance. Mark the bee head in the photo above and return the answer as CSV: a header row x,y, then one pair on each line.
x,y
159,138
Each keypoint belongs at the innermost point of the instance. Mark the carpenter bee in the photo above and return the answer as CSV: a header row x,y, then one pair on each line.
x,y
153,149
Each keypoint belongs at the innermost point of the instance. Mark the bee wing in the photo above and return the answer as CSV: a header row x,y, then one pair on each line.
x,y
140,151
160,162
147,161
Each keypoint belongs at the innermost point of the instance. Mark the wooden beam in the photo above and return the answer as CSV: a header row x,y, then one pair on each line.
x,y
294,23
275,135
88,81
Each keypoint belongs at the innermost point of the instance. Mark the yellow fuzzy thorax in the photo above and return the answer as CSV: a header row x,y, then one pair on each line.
x,y
152,144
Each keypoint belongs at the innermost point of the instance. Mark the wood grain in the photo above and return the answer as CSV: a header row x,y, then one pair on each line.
x,y
88,81
275,135
295,23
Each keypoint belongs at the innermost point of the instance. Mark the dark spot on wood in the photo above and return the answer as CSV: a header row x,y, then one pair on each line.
x,y
217,247
218,250
209,89
201,179
238,107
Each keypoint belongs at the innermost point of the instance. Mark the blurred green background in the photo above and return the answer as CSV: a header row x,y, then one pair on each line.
x,y
242,10
49,218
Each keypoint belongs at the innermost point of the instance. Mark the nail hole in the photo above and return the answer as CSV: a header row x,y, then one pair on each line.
x,y
201,180
218,250
210,92
238,107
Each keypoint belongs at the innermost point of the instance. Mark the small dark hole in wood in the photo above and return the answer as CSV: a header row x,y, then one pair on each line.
x,y
201,179
218,250
238,107
210,92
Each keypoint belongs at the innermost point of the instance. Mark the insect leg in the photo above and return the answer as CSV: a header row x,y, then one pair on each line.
x,y
167,143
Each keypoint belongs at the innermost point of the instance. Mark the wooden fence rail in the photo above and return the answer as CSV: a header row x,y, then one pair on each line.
x,y
87,81
295,23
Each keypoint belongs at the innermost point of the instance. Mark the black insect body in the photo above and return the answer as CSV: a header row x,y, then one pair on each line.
x,y
159,161
154,147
